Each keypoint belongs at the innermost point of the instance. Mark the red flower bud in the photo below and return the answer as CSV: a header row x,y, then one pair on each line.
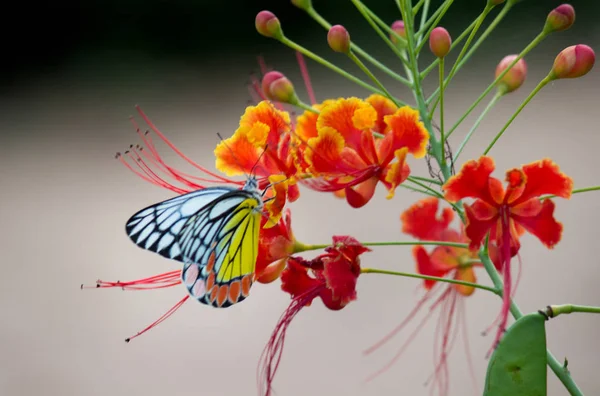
x,y
515,77
574,61
276,86
400,30
268,25
440,42
339,39
560,18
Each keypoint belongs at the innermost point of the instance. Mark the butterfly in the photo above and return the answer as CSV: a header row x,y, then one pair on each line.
x,y
214,232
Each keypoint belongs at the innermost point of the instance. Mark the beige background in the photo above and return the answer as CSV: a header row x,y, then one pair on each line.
x,y
64,202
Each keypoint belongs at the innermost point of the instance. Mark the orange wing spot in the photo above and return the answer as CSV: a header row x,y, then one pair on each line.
x,y
213,293
222,295
210,281
211,262
234,291
246,283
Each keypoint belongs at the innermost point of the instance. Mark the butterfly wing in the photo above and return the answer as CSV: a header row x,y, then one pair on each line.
x,y
156,227
219,245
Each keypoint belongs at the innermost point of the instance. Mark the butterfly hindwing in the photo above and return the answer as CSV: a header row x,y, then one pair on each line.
x,y
219,246
156,228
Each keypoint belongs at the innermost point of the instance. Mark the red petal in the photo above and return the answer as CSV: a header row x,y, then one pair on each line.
x,y
421,221
295,279
544,177
543,226
477,229
340,279
527,208
359,195
484,211
424,266
397,172
384,107
473,181
408,131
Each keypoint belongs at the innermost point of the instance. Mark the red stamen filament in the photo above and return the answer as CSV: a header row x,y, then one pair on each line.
x,y
161,319
161,281
306,78
271,355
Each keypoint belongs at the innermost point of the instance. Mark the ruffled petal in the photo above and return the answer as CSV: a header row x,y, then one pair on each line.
x,y
424,266
421,221
383,106
545,177
323,153
360,194
543,226
472,181
276,203
238,154
277,121
408,131
296,281
348,117
397,172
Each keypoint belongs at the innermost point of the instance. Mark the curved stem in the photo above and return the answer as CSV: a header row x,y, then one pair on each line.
x,y
440,13
426,277
366,70
476,125
541,85
427,180
398,243
576,191
442,84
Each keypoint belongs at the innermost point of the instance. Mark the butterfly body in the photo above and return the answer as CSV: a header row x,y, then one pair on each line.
x,y
213,232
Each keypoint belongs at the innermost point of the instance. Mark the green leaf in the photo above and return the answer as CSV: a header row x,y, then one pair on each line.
x,y
518,365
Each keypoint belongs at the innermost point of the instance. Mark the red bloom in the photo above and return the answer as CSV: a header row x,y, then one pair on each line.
x,y
331,276
507,214
422,222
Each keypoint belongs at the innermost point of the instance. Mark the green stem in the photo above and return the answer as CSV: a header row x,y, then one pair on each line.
x,y
555,310
475,125
531,45
329,65
426,192
425,179
396,243
442,137
563,375
306,107
465,47
366,70
416,8
326,25
541,85
576,191
432,278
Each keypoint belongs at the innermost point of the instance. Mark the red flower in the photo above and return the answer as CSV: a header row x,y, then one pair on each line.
x,y
422,222
507,214
346,155
331,276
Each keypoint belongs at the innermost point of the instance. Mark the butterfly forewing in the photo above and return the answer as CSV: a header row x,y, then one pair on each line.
x,y
156,227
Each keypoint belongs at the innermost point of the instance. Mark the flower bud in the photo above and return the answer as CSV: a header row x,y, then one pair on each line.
x,y
276,86
560,18
515,77
400,30
268,25
339,39
440,42
303,4
574,61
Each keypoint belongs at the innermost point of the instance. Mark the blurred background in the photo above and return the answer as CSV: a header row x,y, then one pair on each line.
x,y
72,73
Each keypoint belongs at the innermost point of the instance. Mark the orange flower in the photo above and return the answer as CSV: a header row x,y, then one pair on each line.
x,y
261,146
507,214
346,154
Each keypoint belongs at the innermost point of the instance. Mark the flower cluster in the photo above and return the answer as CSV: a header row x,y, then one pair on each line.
x,y
347,147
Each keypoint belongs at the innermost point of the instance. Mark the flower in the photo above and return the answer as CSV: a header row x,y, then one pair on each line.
x,y
261,146
422,221
275,246
440,42
507,214
338,39
360,143
332,276
573,62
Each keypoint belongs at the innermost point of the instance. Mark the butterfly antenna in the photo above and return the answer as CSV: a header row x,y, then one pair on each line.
x,y
233,154
258,159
